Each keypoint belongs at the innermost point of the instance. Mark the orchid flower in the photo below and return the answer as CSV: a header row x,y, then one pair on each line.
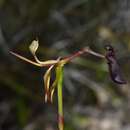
x,y
58,65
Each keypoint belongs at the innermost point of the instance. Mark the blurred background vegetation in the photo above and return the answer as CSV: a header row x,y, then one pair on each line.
x,y
91,100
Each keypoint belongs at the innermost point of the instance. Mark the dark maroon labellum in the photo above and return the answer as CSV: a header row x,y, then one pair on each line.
x,y
113,66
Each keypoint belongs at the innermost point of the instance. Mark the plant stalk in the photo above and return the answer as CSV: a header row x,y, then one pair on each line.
x,y
60,97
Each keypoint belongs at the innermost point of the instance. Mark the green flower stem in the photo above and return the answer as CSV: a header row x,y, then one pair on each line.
x,y
60,102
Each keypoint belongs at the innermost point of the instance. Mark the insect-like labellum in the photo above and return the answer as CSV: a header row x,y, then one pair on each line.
x,y
114,69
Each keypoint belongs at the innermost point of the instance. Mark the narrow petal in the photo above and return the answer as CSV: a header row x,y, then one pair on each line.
x,y
47,82
52,89
25,59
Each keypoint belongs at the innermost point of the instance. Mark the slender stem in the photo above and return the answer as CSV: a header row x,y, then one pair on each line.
x,y
60,102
